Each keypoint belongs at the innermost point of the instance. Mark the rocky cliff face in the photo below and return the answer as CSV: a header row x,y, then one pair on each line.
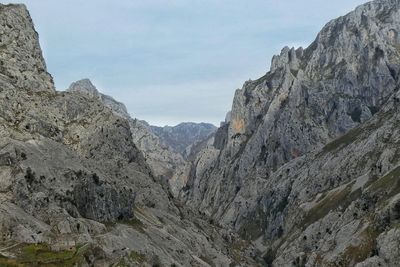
x,y
76,188
183,136
273,166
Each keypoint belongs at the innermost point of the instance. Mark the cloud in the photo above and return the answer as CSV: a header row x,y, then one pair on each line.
x,y
173,60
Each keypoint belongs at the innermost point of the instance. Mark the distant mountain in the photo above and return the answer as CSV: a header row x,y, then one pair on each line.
x,y
184,135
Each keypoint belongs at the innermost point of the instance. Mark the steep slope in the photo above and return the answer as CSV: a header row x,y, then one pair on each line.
x,y
74,186
184,135
261,167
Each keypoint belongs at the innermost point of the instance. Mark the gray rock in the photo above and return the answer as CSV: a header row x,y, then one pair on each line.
x,y
288,171
73,177
184,135
163,162
304,172
21,61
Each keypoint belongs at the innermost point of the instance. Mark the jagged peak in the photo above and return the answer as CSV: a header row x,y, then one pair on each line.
x,y
287,57
364,16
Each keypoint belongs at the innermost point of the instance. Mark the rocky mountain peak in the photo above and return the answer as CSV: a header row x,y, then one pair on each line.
x,y
21,61
84,86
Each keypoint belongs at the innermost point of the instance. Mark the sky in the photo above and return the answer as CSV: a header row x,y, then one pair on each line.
x,y
172,61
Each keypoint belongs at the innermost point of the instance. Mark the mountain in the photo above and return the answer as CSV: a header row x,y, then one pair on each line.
x,y
307,166
184,135
76,188
303,172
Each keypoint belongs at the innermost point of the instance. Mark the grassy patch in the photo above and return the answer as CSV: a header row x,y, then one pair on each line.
x,y
355,254
133,257
388,185
388,182
207,260
137,257
343,141
6,262
253,229
236,249
352,135
135,224
331,201
42,255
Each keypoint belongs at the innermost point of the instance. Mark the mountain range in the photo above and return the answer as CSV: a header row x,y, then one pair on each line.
x,y
303,172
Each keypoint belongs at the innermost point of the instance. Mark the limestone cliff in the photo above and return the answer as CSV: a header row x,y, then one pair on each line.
x,y
277,173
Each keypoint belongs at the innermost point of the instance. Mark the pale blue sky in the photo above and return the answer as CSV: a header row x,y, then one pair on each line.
x,y
173,60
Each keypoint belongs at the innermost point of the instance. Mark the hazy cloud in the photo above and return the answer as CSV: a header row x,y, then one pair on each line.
x,y
173,60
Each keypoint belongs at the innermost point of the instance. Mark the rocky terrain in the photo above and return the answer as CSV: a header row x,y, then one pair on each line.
x,y
183,136
305,171
76,188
